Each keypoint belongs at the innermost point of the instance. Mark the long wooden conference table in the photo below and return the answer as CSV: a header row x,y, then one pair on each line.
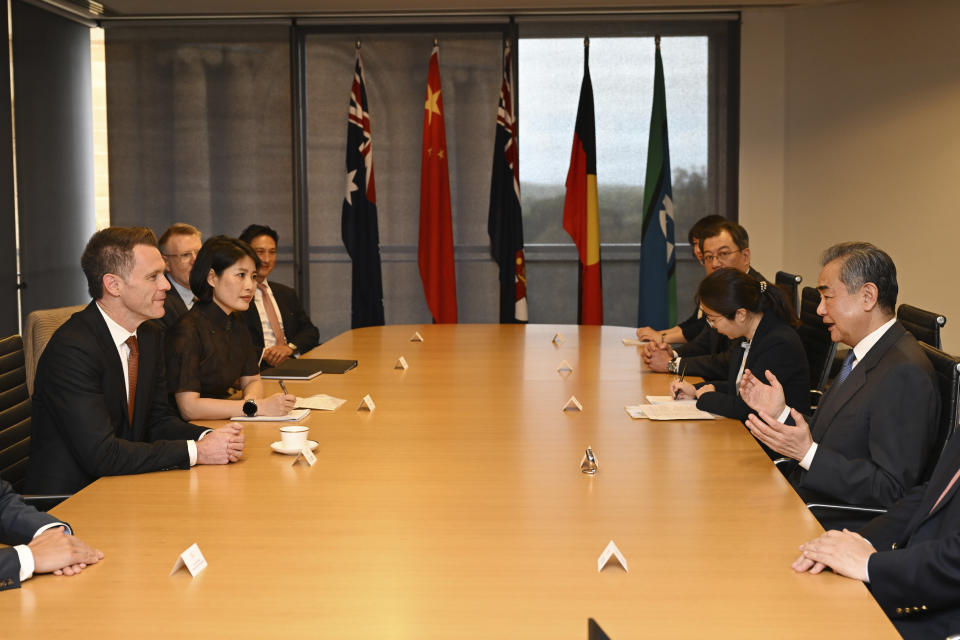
x,y
456,509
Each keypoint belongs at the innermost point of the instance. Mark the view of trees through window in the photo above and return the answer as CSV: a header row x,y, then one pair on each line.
x,y
621,69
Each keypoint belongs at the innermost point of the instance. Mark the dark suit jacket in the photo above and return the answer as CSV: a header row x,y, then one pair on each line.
x,y
18,524
296,323
775,346
877,431
173,306
708,355
80,428
915,574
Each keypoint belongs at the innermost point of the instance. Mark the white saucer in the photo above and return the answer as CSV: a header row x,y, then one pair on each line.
x,y
279,448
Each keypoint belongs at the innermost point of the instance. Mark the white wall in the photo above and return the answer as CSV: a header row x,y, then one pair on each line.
x,y
871,142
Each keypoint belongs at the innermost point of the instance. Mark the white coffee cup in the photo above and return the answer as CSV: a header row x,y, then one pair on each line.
x,y
294,437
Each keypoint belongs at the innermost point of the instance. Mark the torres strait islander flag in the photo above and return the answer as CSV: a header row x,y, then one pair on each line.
x,y
505,224
435,254
358,219
580,211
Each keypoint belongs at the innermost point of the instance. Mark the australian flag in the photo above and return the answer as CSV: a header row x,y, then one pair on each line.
x,y
505,224
359,219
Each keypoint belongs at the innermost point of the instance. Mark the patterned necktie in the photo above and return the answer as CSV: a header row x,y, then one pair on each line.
x,y
272,317
846,368
133,363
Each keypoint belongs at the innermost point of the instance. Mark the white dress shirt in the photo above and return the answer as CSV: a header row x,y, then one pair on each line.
x,y
260,300
185,293
120,336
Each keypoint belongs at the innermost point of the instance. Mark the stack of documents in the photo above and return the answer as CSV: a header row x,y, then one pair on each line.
x,y
666,408
321,402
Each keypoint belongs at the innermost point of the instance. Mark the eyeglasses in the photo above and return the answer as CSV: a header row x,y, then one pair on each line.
x,y
711,319
186,256
721,255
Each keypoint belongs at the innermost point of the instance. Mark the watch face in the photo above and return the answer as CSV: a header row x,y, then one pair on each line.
x,y
250,408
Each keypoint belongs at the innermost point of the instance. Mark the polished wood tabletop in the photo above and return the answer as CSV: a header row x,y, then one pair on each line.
x,y
456,509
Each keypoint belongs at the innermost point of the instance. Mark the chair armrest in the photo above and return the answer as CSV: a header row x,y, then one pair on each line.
x,y
45,502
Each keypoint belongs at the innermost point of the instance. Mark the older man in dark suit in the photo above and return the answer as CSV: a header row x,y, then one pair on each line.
x,y
875,433
909,556
42,544
100,402
276,319
179,246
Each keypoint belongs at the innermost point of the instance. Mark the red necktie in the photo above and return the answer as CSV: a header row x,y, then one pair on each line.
x,y
133,363
272,315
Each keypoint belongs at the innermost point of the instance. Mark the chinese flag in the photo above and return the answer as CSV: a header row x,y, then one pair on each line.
x,y
580,211
435,255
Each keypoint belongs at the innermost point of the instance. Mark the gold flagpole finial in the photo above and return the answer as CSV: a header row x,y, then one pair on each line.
x,y
436,41
358,44
586,43
656,39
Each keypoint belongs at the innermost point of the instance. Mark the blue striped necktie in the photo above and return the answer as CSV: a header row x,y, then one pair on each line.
x,y
846,368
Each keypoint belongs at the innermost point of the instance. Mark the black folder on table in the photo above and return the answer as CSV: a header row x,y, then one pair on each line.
x,y
307,368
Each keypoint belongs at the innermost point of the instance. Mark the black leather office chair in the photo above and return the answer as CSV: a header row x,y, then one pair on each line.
x,y
817,344
924,325
15,411
789,283
947,369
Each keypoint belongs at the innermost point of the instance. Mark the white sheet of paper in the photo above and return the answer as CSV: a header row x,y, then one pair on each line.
x,y
572,405
401,363
416,337
320,401
672,411
305,454
608,551
670,400
633,342
367,404
294,416
192,559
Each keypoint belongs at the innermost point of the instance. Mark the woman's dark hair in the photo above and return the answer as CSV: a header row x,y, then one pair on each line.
x,y
217,253
726,290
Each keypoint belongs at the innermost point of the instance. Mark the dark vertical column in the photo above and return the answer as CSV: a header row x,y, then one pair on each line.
x,y
301,233
54,132
8,248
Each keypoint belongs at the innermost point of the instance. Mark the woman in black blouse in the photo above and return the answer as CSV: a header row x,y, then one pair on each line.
x,y
209,351
757,318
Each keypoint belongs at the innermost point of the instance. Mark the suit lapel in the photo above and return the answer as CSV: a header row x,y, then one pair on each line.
x,y
935,487
113,385
838,395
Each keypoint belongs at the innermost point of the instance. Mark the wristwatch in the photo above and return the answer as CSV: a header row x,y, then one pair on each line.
x,y
672,365
292,347
250,408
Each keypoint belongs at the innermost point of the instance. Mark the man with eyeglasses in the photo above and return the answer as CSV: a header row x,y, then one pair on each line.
x,y
276,319
725,244
691,327
179,245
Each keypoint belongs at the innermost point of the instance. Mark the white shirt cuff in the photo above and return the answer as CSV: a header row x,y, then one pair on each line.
x,y
782,418
26,561
192,447
27,565
808,456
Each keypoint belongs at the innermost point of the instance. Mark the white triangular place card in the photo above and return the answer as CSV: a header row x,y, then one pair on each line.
x,y
192,559
307,456
573,404
401,363
367,404
558,338
611,551
416,337
564,367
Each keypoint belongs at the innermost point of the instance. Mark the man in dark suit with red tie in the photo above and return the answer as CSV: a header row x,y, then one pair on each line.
x,y
100,402
909,556
276,319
